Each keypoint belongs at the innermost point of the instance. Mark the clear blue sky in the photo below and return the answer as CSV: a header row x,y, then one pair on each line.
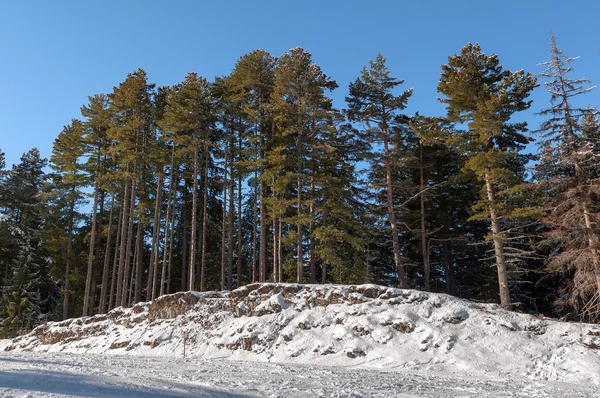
x,y
54,54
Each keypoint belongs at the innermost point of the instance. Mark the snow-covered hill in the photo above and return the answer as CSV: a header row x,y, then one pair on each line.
x,y
364,326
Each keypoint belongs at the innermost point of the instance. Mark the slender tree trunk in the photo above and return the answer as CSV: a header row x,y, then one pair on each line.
x,y
167,257
139,248
299,254
168,226
128,245
224,221
113,280
424,246
152,270
498,243
254,225
88,279
275,243
170,263
392,215
239,225
194,222
275,248
123,251
279,252
313,257
230,230
448,267
68,265
155,247
204,218
323,264
99,253
105,267
262,250
184,254
129,296
92,296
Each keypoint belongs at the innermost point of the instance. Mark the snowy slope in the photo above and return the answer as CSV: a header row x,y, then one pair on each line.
x,y
364,326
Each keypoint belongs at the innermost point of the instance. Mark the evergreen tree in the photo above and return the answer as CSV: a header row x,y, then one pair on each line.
x,y
64,196
483,97
187,122
299,107
372,102
568,178
20,295
252,82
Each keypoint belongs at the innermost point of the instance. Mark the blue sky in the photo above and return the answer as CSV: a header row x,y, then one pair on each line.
x,y
53,55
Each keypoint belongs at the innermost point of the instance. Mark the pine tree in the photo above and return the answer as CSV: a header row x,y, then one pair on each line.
x,y
67,191
480,94
187,121
337,240
131,110
299,103
251,84
372,102
28,292
20,296
568,178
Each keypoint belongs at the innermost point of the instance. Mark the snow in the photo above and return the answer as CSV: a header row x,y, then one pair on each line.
x,y
305,340
65,375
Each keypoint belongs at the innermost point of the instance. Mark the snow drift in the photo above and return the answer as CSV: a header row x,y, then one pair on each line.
x,y
365,326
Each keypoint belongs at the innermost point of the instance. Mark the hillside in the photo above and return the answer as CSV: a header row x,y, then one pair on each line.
x,y
363,326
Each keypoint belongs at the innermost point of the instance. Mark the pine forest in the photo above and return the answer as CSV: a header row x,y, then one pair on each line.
x,y
255,176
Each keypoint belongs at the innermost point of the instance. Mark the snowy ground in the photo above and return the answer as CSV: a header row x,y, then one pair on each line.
x,y
305,340
64,375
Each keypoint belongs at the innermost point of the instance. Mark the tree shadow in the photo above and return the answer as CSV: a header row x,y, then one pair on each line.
x,y
84,386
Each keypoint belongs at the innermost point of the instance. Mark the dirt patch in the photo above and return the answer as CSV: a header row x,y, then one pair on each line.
x,y
171,306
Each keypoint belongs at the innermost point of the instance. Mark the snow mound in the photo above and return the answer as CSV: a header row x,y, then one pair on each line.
x,y
365,326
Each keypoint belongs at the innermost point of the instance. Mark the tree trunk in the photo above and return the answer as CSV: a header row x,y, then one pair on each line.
x,y
312,256
275,243
593,243
448,267
153,269
123,251
99,252
158,209
128,259
193,238
224,221
105,267
88,279
204,218
279,251
139,248
184,248
275,253
170,261
68,265
113,280
392,215
262,249
498,243
424,246
230,230
168,226
239,225
299,254
254,225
